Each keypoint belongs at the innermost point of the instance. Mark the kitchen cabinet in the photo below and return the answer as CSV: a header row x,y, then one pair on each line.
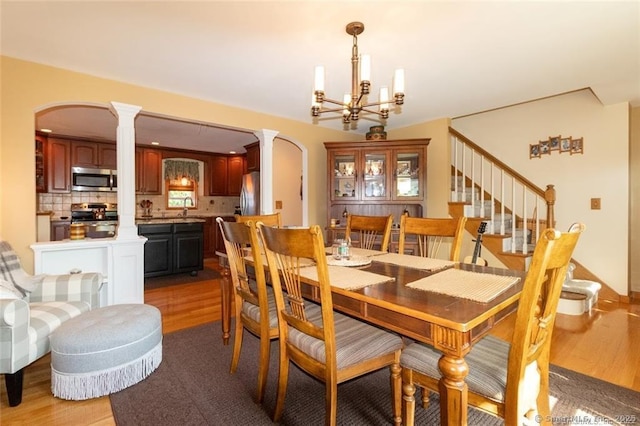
x,y
376,177
60,230
225,175
188,247
218,167
148,171
58,165
172,248
235,170
253,157
93,154
41,163
158,250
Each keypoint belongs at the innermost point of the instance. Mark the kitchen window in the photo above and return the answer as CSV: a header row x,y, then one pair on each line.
x,y
180,195
181,177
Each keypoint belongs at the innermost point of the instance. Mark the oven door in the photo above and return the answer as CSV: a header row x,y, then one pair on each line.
x,y
84,179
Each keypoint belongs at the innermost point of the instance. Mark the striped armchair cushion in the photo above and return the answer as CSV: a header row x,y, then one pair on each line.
x,y
351,337
487,363
45,318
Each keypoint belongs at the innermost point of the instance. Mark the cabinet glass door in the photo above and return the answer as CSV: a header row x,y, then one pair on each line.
x,y
375,176
344,180
408,181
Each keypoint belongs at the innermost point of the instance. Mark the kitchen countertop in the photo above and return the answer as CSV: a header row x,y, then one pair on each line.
x,y
156,220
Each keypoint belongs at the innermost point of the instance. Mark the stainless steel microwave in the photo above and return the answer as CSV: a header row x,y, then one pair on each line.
x,y
87,179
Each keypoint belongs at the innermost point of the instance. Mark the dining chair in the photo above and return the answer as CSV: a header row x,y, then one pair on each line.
x,y
372,231
272,219
509,380
328,345
255,308
431,234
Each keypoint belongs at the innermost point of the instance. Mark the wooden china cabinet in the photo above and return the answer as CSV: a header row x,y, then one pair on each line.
x,y
378,177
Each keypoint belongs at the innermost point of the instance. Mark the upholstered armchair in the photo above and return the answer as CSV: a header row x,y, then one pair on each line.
x,y
31,308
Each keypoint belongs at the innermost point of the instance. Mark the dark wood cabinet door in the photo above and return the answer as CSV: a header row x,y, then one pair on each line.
x,y
253,157
84,154
218,178
210,237
158,255
188,247
235,170
148,171
58,165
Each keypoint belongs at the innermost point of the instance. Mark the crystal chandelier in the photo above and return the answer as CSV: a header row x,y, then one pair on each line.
x,y
353,104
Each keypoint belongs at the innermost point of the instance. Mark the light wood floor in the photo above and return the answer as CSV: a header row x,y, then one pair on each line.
x,y
605,346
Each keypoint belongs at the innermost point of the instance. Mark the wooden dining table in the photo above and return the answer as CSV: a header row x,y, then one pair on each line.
x,y
451,324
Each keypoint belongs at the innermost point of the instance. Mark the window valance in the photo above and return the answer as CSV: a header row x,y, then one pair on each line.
x,y
177,169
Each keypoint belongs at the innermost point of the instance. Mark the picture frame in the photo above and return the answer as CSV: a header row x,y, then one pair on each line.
x,y
577,146
534,150
545,147
565,144
554,144
403,168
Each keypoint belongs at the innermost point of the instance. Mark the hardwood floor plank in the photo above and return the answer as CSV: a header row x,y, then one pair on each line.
x,y
604,346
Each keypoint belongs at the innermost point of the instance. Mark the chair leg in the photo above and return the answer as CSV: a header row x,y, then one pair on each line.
x,y
14,387
237,343
331,402
263,366
408,397
396,392
282,384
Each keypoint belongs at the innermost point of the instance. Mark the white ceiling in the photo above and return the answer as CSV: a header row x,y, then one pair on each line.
x,y
460,57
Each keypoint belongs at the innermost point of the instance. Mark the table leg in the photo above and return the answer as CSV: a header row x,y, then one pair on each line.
x,y
453,390
225,300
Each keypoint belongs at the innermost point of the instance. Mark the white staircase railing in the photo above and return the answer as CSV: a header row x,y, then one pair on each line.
x,y
512,205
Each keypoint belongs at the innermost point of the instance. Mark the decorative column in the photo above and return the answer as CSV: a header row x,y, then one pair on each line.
x,y
126,139
266,138
126,283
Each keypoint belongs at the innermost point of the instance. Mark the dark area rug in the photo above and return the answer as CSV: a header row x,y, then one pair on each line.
x,y
193,386
184,278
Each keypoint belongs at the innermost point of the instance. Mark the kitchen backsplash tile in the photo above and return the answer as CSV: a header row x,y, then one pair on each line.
x,y
60,204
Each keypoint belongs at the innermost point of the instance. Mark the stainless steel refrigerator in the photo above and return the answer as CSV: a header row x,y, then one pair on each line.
x,y
250,194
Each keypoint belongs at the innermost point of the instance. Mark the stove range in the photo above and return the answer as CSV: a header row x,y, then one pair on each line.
x,y
94,212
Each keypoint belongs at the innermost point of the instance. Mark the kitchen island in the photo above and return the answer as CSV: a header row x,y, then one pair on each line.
x,y
174,245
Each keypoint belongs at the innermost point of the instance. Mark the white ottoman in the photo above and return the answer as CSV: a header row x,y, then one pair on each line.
x,y
105,350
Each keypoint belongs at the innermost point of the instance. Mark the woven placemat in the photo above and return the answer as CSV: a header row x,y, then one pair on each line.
x,y
347,278
465,284
417,262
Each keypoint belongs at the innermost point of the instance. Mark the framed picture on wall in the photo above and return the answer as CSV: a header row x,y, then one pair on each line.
x,y
545,147
565,144
534,150
577,146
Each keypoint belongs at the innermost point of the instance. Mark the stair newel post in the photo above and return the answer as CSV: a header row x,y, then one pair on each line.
x,y
550,198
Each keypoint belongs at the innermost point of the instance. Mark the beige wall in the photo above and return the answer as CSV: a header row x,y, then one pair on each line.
x,y
287,170
601,172
634,201
28,87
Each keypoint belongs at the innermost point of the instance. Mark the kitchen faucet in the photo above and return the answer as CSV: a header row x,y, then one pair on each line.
x,y
184,210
